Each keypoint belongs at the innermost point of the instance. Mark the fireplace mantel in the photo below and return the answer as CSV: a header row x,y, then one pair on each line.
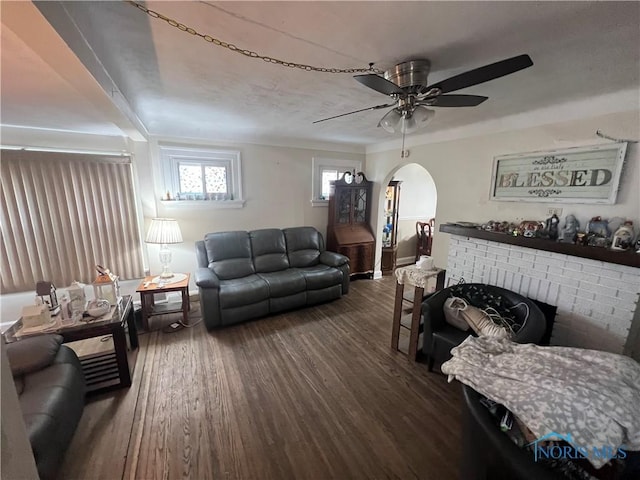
x,y
629,258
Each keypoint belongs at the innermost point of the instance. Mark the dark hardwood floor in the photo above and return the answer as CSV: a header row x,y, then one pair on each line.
x,y
312,394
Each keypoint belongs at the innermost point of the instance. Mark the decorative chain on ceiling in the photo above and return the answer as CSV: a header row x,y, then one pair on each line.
x,y
249,53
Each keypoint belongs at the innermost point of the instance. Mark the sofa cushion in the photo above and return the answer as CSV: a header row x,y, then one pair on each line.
x,y
32,354
304,245
19,383
229,254
284,283
236,292
321,276
269,250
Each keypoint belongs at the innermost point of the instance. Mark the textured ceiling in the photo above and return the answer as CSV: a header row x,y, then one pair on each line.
x,y
181,86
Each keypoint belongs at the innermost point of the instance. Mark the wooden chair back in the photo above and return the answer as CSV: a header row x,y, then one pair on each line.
x,y
424,234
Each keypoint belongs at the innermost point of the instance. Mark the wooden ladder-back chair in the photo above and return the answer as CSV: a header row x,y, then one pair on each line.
x,y
424,233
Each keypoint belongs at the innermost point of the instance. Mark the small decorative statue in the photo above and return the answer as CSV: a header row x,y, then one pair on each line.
x,y
570,230
530,228
551,227
623,238
598,234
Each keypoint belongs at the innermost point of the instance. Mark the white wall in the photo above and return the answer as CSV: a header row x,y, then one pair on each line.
x,y
462,171
277,190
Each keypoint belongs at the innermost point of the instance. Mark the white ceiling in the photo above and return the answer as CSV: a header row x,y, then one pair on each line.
x,y
181,86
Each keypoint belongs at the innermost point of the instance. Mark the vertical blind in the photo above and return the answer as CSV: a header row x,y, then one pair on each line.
x,y
63,213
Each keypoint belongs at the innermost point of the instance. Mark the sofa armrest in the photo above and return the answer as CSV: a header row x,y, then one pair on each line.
x,y
433,312
33,353
333,259
205,278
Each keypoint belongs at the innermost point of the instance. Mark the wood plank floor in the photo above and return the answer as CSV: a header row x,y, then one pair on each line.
x,y
312,394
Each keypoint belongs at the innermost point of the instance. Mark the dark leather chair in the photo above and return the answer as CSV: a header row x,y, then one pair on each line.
x,y
488,453
440,337
51,389
424,237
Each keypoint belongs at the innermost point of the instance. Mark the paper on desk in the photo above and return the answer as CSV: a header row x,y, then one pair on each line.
x,y
40,329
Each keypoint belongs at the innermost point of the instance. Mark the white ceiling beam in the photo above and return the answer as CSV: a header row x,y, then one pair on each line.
x,y
45,45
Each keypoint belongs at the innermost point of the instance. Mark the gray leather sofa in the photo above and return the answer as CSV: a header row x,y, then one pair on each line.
x,y
243,275
51,389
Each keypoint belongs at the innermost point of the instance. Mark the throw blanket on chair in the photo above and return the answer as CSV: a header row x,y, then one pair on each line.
x,y
593,396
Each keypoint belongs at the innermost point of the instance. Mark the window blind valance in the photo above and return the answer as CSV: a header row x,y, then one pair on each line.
x,y
63,213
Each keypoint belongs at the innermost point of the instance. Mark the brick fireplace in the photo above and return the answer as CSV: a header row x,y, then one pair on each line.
x,y
596,300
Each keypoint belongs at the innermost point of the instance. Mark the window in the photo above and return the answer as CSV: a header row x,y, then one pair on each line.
x,y
324,171
63,213
202,174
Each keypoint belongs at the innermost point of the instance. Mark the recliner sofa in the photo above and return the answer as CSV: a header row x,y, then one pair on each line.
x,y
244,275
51,389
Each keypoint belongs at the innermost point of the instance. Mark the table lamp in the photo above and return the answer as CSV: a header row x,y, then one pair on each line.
x,y
164,231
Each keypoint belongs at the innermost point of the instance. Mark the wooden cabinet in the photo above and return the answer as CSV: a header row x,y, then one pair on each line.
x,y
390,227
348,231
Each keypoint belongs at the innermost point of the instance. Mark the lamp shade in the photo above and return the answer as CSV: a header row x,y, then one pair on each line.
x,y
164,231
405,122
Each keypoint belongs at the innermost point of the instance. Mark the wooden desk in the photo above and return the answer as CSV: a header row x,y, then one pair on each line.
x,y
418,278
147,289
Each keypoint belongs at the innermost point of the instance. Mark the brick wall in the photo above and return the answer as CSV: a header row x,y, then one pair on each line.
x,y
596,301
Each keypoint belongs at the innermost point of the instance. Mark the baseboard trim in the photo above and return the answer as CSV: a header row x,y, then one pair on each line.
x,y
406,261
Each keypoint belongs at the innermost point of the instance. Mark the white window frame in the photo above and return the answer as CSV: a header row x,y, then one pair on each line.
x,y
172,155
320,164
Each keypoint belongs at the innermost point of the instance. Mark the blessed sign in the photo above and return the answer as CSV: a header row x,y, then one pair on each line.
x,y
575,175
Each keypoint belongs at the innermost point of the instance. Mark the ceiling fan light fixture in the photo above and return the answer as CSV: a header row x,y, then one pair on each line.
x,y
420,118
394,121
391,121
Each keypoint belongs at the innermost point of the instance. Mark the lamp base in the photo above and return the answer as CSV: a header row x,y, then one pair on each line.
x,y
165,260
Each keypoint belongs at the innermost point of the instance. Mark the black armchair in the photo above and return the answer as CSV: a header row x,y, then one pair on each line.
x,y
488,453
440,337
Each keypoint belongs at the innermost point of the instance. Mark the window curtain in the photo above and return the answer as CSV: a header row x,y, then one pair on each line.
x,y
64,213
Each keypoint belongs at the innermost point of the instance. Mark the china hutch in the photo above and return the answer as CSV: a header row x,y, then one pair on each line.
x,y
390,227
349,231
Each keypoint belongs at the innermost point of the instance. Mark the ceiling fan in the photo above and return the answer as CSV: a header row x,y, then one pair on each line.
x,y
406,84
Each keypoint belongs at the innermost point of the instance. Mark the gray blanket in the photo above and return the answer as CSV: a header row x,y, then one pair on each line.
x,y
591,395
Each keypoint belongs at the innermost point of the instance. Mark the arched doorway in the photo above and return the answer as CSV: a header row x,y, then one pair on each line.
x,y
417,202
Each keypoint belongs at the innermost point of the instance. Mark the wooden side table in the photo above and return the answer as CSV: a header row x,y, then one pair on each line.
x,y
103,371
150,287
418,278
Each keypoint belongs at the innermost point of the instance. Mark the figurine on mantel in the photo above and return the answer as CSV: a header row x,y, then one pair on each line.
x,y
570,229
551,227
598,233
623,237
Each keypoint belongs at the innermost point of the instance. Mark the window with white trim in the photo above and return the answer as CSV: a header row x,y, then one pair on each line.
x,y
202,174
324,171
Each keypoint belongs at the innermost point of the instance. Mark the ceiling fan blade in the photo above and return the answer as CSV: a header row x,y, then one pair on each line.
x,y
377,107
455,101
483,74
379,84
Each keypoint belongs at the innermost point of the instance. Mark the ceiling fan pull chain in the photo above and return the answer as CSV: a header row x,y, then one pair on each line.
x,y
249,53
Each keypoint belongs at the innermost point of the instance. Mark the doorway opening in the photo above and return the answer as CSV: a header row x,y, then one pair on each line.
x,y
408,196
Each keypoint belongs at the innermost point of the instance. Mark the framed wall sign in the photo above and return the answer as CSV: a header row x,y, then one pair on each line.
x,y
574,175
